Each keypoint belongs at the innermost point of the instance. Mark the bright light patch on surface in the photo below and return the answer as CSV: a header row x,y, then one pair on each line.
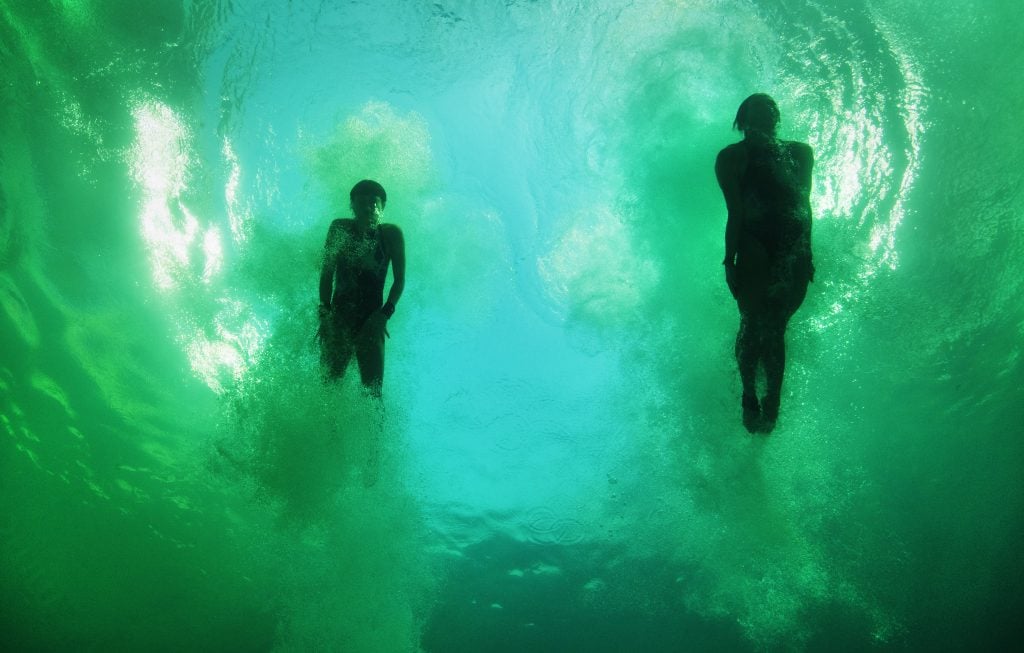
x,y
169,243
840,177
222,351
247,338
912,110
158,158
859,164
214,251
239,217
224,358
212,359
158,162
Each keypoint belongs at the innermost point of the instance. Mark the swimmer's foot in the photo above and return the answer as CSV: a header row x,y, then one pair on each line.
x,y
769,412
751,413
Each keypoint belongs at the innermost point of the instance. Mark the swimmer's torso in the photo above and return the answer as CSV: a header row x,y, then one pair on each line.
x,y
360,270
774,188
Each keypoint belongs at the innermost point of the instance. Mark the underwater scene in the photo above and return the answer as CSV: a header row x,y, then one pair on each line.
x,y
557,461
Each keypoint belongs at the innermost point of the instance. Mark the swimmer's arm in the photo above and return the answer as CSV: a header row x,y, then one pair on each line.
x,y
396,247
727,170
805,155
331,251
809,167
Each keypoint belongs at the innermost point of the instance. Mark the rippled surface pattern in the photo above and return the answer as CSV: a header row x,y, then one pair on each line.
x,y
562,465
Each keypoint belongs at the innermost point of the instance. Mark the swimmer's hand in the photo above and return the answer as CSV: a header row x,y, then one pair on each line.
x,y
730,278
323,312
378,323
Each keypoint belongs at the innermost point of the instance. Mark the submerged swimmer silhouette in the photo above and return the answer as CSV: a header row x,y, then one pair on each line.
x,y
767,184
353,315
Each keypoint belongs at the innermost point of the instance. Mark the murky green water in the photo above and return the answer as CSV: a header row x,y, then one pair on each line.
x,y
563,466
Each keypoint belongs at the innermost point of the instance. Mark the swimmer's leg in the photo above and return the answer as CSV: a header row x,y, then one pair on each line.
x,y
336,351
370,356
774,371
774,349
748,354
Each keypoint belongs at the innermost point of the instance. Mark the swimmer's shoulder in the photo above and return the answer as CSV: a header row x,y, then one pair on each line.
x,y
339,230
733,152
390,233
800,151
731,161
340,223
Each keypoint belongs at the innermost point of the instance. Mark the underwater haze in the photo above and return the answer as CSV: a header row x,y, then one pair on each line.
x,y
559,463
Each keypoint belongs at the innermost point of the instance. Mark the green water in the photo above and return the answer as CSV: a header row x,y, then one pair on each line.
x,y
563,466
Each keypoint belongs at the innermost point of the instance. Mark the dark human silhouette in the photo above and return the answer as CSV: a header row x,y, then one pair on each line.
x,y
353,313
766,183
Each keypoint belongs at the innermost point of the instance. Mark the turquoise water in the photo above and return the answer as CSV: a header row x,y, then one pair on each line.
x,y
562,466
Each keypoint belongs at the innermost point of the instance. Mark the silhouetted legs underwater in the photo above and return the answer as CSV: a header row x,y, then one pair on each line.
x,y
340,341
761,342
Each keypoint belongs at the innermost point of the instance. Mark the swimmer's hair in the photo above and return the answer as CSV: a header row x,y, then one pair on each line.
x,y
751,114
369,187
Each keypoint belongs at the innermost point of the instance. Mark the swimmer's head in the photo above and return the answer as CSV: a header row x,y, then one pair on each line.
x,y
758,113
368,199
369,187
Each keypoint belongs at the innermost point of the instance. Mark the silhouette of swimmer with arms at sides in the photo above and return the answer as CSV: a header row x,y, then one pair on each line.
x,y
353,313
767,184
